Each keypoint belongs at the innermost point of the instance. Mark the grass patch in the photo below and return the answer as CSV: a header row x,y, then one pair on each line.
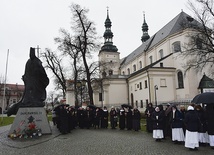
x,y
143,124
6,121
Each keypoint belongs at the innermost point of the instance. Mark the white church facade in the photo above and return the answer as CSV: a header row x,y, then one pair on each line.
x,y
153,73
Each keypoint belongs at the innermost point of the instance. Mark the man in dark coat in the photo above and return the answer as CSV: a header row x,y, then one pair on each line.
x,y
104,118
113,118
81,117
122,119
88,117
136,119
128,118
64,120
148,113
97,118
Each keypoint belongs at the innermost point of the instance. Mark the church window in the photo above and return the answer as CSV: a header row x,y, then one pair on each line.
x,y
161,53
140,64
176,46
136,103
140,84
128,70
141,103
150,59
134,68
146,86
123,73
110,72
180,79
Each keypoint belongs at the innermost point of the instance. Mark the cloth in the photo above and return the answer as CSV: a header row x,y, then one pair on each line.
x,y
203,137
158,134
177,134
211,140
191,140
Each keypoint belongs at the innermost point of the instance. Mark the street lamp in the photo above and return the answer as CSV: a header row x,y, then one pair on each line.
x,y
156,88
81,85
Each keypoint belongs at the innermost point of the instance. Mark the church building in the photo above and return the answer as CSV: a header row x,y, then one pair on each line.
x,y
152,73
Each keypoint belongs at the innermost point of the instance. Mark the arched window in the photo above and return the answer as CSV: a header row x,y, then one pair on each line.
x,y
128,70
180,79
140,64
134,68
176,46
150,59
161,53
123,73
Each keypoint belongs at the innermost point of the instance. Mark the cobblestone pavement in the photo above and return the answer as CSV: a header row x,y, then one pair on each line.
x,y
94,141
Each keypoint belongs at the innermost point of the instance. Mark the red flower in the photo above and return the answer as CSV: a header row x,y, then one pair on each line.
x,y
32,126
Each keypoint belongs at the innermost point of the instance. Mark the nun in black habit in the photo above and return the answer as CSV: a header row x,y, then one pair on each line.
x,y
122,119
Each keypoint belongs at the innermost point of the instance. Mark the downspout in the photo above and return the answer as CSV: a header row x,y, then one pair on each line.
x,y
149,86
128,90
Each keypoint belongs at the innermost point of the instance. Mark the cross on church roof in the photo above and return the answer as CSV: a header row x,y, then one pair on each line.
x,y
37,48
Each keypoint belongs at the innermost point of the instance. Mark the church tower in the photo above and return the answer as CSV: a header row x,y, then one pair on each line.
x,y
109,58
145,29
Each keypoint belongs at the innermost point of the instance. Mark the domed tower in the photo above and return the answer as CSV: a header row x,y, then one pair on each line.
x,y
145,29
109,58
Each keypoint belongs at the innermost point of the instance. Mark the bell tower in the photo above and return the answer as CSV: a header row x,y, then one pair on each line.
x,y
109,58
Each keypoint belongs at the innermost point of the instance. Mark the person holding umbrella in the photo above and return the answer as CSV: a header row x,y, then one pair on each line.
x,y
208,99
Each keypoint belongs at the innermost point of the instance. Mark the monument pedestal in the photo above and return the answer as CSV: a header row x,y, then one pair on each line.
x,y
29,119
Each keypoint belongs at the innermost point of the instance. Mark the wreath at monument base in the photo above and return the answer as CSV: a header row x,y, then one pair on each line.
x,y
29,131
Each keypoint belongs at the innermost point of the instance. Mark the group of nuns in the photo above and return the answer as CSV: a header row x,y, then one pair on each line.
x,y
66,118
193,127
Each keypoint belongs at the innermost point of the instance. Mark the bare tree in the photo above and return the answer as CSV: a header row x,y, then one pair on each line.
x,y
78,46
85,42
67,45
200,48
54,63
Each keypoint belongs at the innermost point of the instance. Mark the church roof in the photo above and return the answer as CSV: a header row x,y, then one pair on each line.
x,y
177,24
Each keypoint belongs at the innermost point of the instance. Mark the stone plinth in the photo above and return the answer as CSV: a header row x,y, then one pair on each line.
x,y
25,117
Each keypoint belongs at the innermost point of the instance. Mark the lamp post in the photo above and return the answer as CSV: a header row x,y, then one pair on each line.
x,y
156,88
81,85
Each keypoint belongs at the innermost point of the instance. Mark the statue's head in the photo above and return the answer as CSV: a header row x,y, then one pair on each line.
x,y
32,53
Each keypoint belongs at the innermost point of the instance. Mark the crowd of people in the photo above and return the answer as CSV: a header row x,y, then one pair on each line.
x,y
193,127
67,118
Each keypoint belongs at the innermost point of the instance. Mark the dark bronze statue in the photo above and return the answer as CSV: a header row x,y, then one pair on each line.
x,y
35,81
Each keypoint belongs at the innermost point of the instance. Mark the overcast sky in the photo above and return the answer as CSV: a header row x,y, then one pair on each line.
x,y
28,23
